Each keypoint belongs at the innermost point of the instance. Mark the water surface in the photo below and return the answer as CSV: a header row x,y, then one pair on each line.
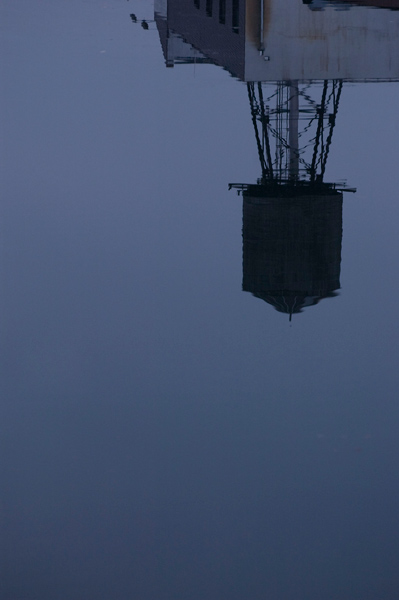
x,y
167,435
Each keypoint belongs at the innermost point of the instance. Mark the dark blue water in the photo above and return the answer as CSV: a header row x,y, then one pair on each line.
x,y
166,435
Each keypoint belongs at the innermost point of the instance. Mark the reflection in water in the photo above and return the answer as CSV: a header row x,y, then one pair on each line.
x,y
292,246
292,219
165,435
347,4
270,40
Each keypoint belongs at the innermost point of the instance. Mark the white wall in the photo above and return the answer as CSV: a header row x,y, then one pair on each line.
x,y
359,43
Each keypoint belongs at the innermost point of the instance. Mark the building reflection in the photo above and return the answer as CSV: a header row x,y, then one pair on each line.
x,y
346,4
292,217
294,56
283,40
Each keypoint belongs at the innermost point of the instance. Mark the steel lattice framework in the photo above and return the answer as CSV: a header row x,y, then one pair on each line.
x,y
294,129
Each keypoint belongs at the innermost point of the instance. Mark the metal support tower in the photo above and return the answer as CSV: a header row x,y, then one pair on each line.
x,y
294,124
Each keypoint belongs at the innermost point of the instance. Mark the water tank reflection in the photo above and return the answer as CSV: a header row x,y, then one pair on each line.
x,y
292,246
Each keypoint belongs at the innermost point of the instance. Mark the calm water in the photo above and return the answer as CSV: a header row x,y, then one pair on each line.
x,y
165,434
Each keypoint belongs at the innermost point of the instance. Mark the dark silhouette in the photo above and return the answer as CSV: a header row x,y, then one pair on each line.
x,y
292,219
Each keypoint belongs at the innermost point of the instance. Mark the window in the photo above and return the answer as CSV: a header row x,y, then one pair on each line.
x,y
222,11
235,20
